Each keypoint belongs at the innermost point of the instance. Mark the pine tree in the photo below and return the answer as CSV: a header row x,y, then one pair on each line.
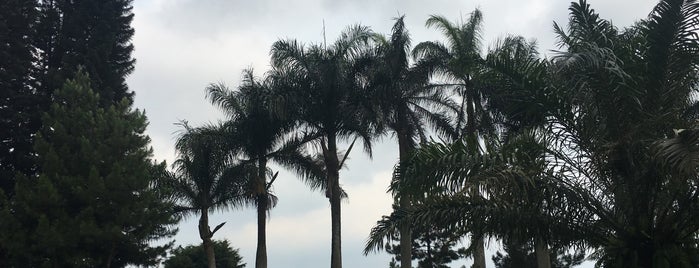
x,y
93,203
43,42
93,34
18,104
433,248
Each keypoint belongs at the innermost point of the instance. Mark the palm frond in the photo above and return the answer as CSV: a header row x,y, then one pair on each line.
x,y
450,31
221,96
679,154
352,41
311,170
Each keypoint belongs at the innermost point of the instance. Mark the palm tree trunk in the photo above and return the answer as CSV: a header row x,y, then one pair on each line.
x,y
406,240
479,250
473,146
332,164
262,206
205,235
543,256
335,212
209,248
479,253
261,256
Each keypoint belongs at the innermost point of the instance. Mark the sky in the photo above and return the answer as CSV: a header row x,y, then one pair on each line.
x,y
181,46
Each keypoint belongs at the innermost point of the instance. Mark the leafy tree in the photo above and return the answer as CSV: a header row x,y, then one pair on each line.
x,y
323,82
193,256
205,179
260,132
93,202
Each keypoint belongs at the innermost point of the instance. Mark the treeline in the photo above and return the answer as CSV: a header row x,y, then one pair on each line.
x,y
594,149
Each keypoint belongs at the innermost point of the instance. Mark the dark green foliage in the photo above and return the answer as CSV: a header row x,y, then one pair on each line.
x,y
193,256
92,204
19,105
523,256
93,34
42,43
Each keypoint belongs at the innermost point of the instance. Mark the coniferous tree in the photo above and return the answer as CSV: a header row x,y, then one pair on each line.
x,y
432,248
43,42
523,255
18,103
93,34
93,203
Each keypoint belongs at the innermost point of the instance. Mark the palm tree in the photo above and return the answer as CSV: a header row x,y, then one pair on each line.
x,y
262,133
406,106
517,80
205,179
459,62
511,75
324,83
626,90
622,157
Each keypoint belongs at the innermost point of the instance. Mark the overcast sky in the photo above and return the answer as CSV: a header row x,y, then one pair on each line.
x,y
183,45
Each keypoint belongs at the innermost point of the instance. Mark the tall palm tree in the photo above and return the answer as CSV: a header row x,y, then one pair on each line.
x,y
324,83
261,132
459,63
406,106
205,179
517,81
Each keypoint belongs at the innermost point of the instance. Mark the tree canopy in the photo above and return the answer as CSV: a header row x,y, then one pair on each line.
x,y
192,256
93,202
